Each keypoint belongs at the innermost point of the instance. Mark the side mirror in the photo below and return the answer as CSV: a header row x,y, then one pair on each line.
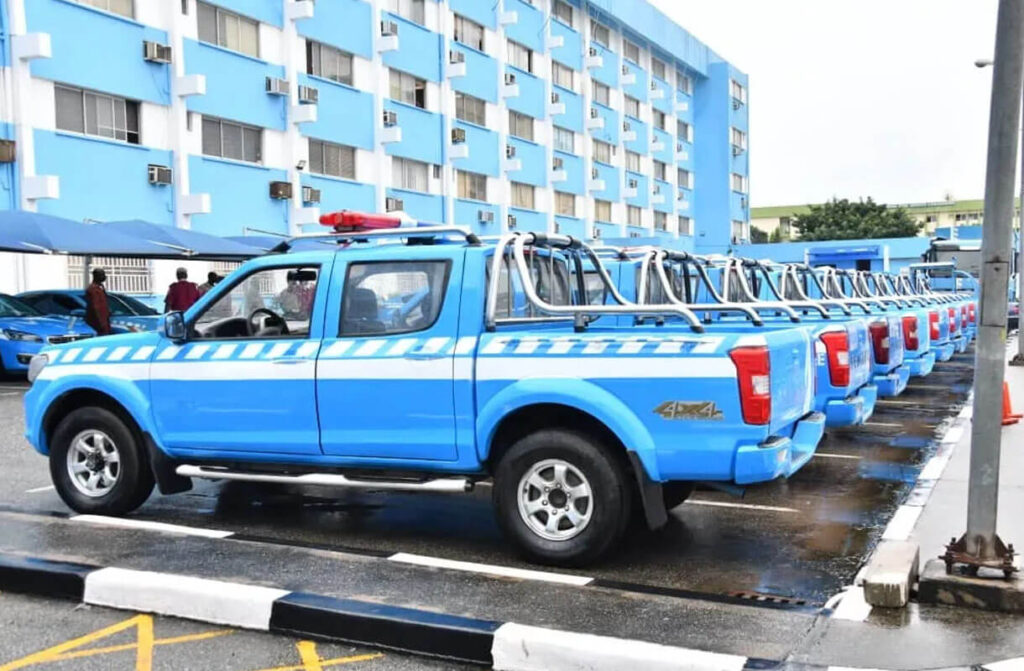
x,y
78,312
174,326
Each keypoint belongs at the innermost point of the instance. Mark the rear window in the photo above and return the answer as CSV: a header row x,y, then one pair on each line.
x,y
550,277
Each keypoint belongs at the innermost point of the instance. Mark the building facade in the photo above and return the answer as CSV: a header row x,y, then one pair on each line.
x,y
599,119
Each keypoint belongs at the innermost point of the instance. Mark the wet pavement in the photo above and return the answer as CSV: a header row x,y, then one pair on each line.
x,y
798,541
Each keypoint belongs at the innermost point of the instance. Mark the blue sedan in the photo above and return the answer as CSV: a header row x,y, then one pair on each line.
x,y
126,313
24,330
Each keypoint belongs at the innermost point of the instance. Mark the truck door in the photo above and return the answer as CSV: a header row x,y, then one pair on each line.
x,y
245,380
385,377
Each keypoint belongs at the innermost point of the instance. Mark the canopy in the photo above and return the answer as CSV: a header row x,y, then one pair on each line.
x,y
263,243
35,233
180,242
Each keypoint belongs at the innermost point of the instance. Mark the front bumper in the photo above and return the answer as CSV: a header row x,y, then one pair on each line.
x,y
922,365
16,354
779,456
852,410
893,384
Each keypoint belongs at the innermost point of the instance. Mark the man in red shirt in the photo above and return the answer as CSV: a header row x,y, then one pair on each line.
x,y
97,309
182,294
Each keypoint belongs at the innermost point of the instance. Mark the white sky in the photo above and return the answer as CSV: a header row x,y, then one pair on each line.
x,y
856,98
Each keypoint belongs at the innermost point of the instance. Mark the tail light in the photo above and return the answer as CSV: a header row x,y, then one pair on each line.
x,y
880,341
963,316
933,325
910,332
972,316
952,320
837,344
753,371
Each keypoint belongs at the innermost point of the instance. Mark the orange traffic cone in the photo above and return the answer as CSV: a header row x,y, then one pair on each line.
x,y
1008,415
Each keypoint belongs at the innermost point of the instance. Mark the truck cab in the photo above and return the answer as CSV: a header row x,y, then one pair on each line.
x,y
424,359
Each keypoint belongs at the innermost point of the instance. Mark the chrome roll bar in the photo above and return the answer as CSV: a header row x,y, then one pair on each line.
x,y
789,278
737,266
823,288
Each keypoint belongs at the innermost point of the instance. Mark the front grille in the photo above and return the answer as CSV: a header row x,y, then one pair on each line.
x,y
61,339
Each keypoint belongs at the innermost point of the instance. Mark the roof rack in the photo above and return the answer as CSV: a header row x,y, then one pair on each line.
x,y
359,236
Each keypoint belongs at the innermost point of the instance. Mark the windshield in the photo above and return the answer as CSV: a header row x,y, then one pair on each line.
x,y
122,305
12,307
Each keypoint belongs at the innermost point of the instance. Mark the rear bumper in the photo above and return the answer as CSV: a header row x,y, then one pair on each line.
x,y
945,351
780,457
922,365
893,384
852,410
960,343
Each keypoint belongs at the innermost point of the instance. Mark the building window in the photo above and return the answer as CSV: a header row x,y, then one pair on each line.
x,y
520,56
327,158
632,107
600,33
468,108
739,93
685,179
413,10
327,62
630,51
471,185
409,174
522,195
565,140
122,7
408,89
229,30
602,94
226,139
739,230
469,33
658,68
520,125
562,76
565,204
124,276
97,114
602,210
683,83
739,183
660,221
684,131
634,215
660,119
786,227
633,161
739,138
562,11
685,226
660,170
602,152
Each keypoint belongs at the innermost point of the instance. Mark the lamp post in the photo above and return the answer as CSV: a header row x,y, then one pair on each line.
x,y
1018,359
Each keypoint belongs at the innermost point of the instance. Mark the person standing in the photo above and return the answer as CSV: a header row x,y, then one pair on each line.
x,y
211,281
97,309
182,294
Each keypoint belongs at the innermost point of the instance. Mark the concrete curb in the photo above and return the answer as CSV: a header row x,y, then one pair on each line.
x,y
501,645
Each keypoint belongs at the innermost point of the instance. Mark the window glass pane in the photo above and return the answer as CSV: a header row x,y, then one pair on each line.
x,y
564,140
227,30
562,75
132,121
563,11
631,51
286,292
347,162
207,20
602,93
122,7
70,114
313,66
211,137
632,161
633,215
253,149
632,107
332,159
249,37
316,156
602,210
120,122
522,196
231,141
565,203
392,298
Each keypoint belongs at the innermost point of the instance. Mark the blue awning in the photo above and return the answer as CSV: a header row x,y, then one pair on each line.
x,y
191,244
35,233
264,243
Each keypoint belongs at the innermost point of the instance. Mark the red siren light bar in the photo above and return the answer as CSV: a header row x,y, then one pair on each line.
x,y
347,221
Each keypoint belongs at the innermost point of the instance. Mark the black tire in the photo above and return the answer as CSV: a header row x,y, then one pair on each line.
x,y
134,481
611,498
675,493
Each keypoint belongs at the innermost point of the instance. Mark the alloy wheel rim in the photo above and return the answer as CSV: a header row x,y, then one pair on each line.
x,y
94,463
555,500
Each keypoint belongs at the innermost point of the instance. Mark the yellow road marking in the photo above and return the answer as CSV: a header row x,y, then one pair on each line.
x,y
311,660
143,645
309,656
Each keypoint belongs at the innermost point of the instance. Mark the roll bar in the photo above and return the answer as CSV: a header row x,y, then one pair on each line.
x,y
736,266
807,271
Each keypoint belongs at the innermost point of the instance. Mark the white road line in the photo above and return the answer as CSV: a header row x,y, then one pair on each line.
x,y
37,490
123,523
489,569
852,607
1005,665
10,393
888,401
827,455
885,425
902,523
748,506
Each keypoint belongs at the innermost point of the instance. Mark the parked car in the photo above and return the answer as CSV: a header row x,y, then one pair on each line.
x,y
24,331
495,373
126,313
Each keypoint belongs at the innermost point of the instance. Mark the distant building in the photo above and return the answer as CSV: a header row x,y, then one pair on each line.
x,y
944,215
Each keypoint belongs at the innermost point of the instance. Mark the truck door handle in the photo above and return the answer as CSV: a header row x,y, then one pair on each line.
x,y
420,355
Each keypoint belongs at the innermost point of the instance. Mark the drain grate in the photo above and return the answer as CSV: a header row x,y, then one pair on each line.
x,y
768,598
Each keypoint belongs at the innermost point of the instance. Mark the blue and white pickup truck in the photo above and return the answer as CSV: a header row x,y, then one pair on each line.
x,y
917,351
425,359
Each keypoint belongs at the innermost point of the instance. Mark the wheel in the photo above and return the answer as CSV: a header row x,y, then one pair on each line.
x,y
674,493
563,497
96,464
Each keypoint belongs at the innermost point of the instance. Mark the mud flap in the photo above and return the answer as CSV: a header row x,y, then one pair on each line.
x,y
651,497
167,480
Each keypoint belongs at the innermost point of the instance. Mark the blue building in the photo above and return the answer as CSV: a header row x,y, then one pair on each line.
x,y
597,118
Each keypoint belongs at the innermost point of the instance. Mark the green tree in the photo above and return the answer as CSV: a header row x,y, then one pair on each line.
x,y
757,235
846,220
776,235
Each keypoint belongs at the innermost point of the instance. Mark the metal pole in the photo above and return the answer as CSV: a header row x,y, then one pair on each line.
x,y
980,546
1018,359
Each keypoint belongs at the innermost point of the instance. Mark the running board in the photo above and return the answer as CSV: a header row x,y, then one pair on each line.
x,y
450,485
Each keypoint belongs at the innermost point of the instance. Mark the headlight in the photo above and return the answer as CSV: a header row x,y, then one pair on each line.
x,y
36,366
19,336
